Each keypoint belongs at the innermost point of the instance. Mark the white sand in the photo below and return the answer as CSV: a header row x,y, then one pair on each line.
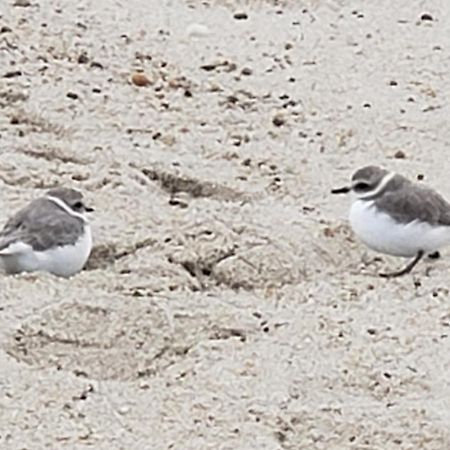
x,y
239,313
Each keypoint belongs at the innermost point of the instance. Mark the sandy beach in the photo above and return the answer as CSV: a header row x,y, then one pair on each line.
x,y
227,303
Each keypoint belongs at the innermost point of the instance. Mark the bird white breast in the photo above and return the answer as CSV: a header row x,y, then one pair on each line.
x,y
382,233
63,261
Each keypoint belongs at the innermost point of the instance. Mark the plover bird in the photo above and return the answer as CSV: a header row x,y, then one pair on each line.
x,y
51,234
393,215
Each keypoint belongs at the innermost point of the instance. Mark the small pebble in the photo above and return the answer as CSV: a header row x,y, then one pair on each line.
x,y
96,65
123,410
83,59
399,154
22,3
72,95
140,79
278,120
426,16
240,16
12,74
246,71
197,30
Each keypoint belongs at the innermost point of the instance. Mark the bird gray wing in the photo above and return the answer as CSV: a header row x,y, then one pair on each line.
x,y
42,224
420,203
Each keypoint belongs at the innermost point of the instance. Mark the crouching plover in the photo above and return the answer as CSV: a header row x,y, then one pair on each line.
x,y
392,215
51,234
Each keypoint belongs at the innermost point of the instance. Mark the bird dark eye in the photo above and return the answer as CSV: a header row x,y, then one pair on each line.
x,y
78,205
361,186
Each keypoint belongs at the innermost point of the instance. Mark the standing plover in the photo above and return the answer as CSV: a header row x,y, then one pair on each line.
x,y
392,215
51,234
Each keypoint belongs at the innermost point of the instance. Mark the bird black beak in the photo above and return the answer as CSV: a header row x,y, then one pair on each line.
x,y
342,190
89,209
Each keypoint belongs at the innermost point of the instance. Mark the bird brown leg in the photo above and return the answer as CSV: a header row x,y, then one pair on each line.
x,y
406,269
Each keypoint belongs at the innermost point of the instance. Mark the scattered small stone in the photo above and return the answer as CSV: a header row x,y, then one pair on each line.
x,y
372,331
329,232
178,82
96,65
246,71
72,95
5,29
278,120
13,74
232,99
288,46
22,3
180,202
426,17
83,59
420,176
393,83
197,30
123,410
140,79
399,154
240,16
14,120
209,67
